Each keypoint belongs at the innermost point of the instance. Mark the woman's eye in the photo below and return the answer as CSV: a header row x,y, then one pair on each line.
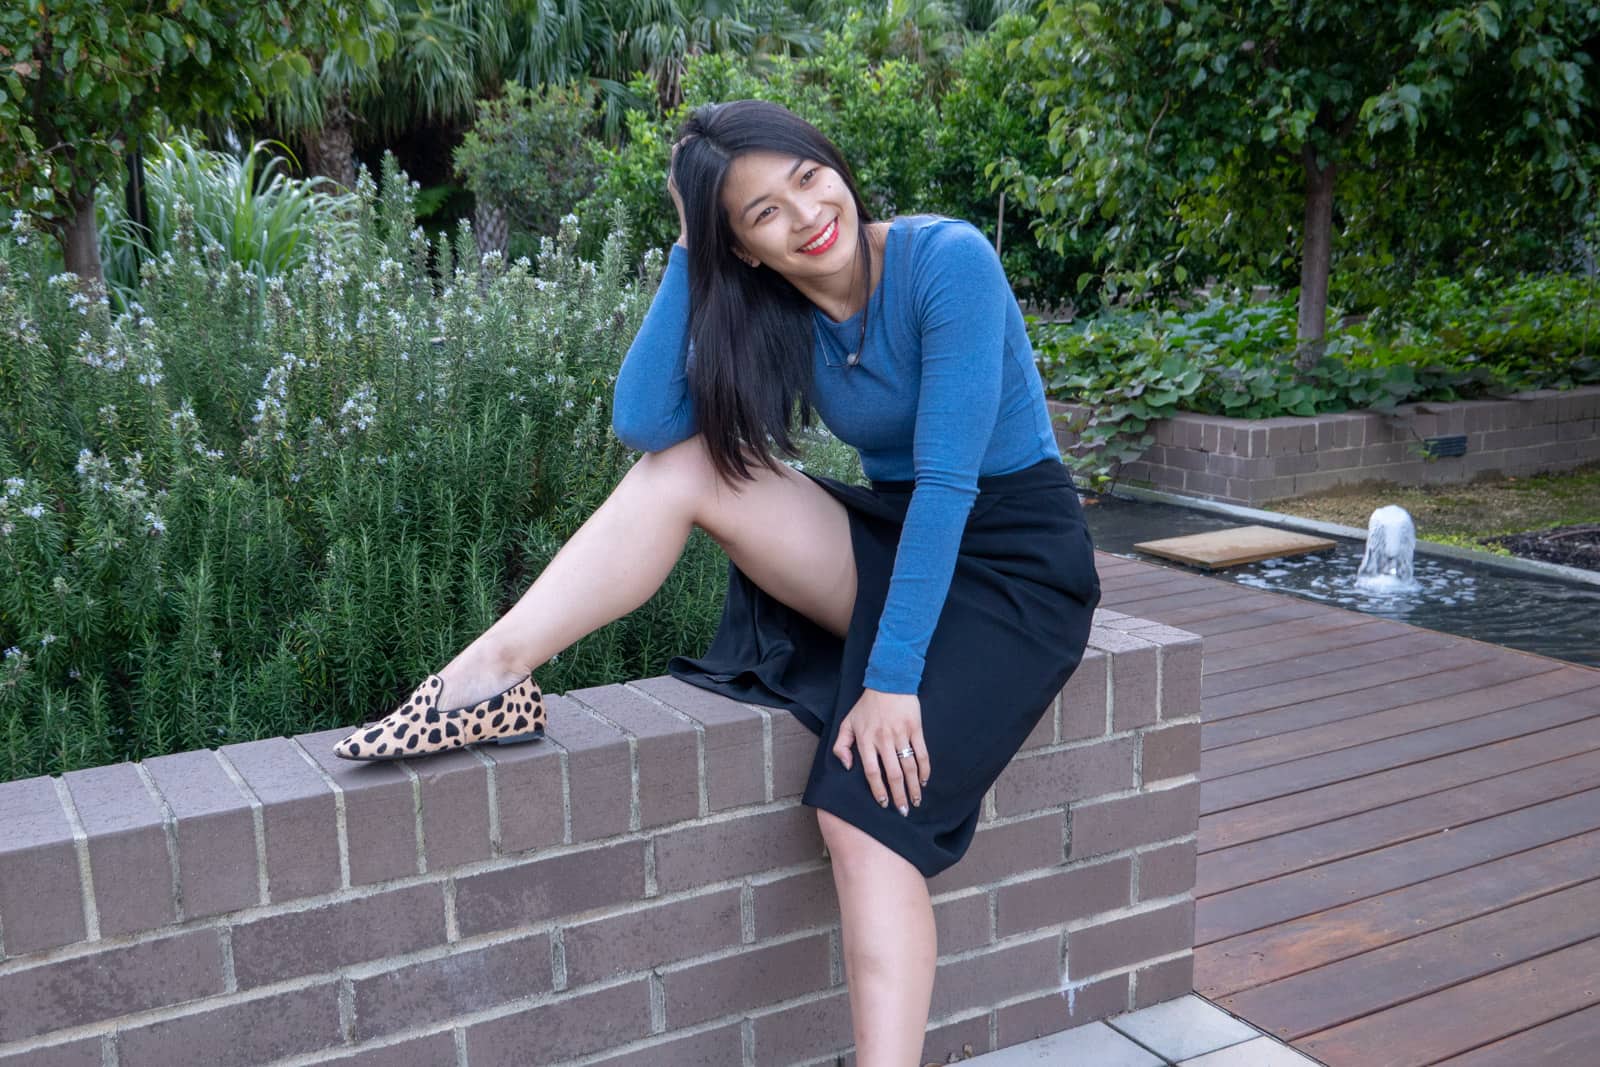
x,y
763,212
807,176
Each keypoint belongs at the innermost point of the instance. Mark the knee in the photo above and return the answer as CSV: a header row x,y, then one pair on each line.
x,y
848,846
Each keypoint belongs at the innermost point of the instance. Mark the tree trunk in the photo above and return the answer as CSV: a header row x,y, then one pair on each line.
x,y
330,151
490,227
1315,260
80,243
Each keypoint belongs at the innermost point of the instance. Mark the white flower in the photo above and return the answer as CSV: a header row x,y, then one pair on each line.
x,y
157,527
34,511
46,639
74,673
15,486
13,652
6,529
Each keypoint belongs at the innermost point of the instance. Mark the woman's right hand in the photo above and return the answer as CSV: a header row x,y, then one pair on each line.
x,y
672,190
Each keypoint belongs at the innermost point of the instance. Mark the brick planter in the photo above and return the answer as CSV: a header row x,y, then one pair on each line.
x,y
643,887
1250,461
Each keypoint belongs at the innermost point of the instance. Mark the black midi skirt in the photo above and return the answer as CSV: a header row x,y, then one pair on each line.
x,y
1012,630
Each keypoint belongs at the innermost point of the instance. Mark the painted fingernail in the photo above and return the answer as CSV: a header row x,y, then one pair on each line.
x,y
924,783
904,810
883,802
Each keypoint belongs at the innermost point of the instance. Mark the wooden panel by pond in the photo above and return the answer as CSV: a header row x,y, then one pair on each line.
x,y
1233,547
1399,833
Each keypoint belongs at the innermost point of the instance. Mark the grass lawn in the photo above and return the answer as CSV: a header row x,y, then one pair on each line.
x,y
1466,515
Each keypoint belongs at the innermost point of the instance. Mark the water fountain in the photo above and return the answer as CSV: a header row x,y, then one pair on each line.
x,y
1391,543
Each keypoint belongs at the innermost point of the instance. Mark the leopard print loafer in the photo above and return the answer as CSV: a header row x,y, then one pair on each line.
x,y
418,727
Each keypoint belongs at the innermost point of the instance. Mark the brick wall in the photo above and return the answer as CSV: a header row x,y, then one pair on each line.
x,y
642,887
1250,461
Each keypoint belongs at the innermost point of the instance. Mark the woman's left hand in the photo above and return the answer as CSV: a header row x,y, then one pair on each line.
x,y
880,726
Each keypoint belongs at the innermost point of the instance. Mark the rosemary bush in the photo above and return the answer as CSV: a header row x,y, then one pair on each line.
x,y
246,508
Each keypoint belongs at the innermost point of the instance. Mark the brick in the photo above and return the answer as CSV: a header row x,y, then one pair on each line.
x,y
299,827
218,862
1044,731
1028,1020
651,936
551,887
529,792
454,789
1141,819
1133,677
794,750
950,1042
330,936
599,772
85,1052
718,1047
109,983
1169,752
962,923
41,899
758,976
379,810
563,1029
998,974
458,983
712,852
1163,981
429,1050
1054,779
1062,897
1166,871
1083,700
1181,669
1120,943
796,1032
789,903
666,749
129,865
731,736
1004,849
239,1034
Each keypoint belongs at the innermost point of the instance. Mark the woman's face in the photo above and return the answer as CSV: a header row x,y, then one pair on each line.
x,y
793,215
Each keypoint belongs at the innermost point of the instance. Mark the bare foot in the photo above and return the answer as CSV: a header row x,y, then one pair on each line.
x,y
473,676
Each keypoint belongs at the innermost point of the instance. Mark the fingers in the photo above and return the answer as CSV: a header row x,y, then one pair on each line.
x,y
893,777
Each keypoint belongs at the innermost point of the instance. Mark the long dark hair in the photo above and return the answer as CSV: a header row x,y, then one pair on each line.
x,y
751,330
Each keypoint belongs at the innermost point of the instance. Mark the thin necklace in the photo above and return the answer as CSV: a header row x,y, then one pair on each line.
x,y
851,359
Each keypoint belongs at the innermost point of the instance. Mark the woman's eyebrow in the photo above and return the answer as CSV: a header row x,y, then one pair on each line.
x,y
798,163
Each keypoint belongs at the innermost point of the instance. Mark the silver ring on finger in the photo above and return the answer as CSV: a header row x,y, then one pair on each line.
x,y
906,753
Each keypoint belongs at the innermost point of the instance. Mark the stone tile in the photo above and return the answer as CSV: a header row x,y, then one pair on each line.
x,y
297,814
666,749
455,808
734,761
378,803
1183,1028
598,767
1095,1044
1262,1052
85,1052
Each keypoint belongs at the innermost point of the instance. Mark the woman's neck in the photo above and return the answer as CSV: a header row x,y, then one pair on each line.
x,y
841,297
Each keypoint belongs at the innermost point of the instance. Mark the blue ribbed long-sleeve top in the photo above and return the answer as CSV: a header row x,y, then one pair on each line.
x,y
944,390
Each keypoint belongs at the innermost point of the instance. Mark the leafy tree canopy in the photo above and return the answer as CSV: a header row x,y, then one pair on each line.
x,y
1199,130
80,78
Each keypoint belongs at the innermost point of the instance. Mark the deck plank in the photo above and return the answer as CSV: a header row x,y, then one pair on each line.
x,y
1341,992
1455,1020
1300,945
1399,848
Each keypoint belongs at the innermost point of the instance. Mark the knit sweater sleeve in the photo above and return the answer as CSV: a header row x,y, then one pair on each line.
x,y
961,298
651,407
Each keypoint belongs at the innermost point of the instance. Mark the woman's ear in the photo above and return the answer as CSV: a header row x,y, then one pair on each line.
x,y
746,256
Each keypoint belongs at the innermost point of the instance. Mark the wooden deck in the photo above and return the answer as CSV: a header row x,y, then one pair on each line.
x,y
1399,831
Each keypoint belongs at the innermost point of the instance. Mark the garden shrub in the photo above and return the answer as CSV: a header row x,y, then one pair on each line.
x,y
243,509
1236,358
247,205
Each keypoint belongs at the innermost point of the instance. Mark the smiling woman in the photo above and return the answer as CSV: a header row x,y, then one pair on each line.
x,y
921,625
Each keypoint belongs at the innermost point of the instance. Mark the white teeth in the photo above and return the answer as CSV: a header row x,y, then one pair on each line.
x,y
827,232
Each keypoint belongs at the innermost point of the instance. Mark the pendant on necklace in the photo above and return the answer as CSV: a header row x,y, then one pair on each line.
x,y
852,359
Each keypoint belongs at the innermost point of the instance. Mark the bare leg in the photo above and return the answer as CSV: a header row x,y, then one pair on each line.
x,y
890,945
787,534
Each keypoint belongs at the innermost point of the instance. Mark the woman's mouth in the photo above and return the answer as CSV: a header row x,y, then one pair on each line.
x,y
822,241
